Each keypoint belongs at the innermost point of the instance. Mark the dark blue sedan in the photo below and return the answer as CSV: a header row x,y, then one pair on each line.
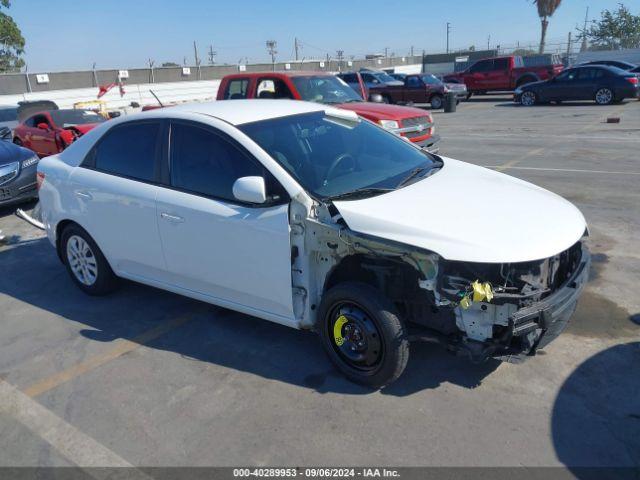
x,y
17,174
601,83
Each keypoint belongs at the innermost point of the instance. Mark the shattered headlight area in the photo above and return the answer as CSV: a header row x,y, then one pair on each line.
x,y
505,311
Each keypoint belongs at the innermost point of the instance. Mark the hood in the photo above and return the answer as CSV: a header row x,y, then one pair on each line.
x,y
469,213
534,84
455,86
383,110
10,153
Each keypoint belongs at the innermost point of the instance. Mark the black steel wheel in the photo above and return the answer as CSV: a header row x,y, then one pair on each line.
x,y
363,334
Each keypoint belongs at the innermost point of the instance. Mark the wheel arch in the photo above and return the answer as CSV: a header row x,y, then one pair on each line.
x,y
522,80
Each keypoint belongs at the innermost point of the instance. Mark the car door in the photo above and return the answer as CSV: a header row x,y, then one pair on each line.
x,y
42,140
415,90
585,84
560,87
115,193
477,78
498,77
231,253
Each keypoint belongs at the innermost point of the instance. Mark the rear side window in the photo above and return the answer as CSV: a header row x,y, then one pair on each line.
x,y
236,89
206,163
129,151
413,82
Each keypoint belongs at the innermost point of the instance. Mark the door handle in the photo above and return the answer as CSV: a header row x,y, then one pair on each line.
x,y
171,218
82,194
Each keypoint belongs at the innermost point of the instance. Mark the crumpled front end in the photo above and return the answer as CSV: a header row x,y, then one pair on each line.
x,y
509,311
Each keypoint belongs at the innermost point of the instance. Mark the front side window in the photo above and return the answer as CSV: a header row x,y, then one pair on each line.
x,y
501,64
324,89
331,156
206,163
129,150
236,89
482,66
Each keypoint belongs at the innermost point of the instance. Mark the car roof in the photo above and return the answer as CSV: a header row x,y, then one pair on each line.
x,y
278,73
238,112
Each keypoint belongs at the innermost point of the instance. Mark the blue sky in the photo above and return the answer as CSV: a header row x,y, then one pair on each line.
x,y
68,34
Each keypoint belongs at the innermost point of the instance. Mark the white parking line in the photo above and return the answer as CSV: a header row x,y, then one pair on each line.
x,y
74,445
572,170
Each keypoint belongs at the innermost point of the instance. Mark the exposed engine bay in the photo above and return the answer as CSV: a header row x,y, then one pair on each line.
x,y
480,310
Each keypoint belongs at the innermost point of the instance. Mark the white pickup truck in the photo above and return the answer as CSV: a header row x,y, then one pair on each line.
x,y
312,217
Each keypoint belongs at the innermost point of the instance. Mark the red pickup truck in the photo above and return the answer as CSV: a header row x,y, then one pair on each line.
x,y
412,123
499,74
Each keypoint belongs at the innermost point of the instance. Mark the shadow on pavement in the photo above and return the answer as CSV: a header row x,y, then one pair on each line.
x,y
33,274
596,415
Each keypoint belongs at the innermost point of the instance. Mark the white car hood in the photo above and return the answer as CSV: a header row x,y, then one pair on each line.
x,y
469,213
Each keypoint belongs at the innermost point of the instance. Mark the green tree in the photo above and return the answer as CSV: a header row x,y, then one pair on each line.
x,y
11,42
546,8
616,29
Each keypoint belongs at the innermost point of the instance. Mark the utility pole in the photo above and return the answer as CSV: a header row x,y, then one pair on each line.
x,y
386,52
152,77
272,50
296,46
212,55
448,31
488,42
95,75
340,56
412,50
195,53
569,49
585,46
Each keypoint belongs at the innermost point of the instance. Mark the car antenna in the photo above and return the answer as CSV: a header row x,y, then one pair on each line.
x,y
152,93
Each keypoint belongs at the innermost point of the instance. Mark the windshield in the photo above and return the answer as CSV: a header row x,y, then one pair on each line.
x,y
325,89
384,77
75,117
431,80
329,156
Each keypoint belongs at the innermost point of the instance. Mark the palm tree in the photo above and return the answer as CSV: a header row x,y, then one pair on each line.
x,y
546,8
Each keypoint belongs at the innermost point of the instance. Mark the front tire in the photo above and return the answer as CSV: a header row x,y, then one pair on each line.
x,y
436,102
528,99
604,96
85,262
363,335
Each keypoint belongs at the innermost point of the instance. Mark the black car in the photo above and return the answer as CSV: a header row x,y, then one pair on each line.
x,y
18,167
612,63
600,83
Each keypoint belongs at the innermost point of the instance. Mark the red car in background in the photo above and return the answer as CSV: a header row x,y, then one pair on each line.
x,y
412,123
50,132
500,74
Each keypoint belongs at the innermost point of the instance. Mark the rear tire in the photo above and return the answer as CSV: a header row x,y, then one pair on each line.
x,y
363,335
85,262
604,96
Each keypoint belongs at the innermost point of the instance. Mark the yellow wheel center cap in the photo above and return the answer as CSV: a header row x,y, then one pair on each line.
x,y
337,330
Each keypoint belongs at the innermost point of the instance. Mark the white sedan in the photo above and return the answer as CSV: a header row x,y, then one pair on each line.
x,y
311,217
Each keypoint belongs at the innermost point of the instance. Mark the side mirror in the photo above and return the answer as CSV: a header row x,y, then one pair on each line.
x,y
43,126
376,98
250,190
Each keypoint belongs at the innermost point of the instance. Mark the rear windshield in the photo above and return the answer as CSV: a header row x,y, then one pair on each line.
x,y
75,117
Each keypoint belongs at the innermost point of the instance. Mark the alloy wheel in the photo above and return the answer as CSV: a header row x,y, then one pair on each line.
x,y
604,96
82,260
528,99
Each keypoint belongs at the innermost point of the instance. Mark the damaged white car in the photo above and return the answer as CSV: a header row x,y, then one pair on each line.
x,y
311,217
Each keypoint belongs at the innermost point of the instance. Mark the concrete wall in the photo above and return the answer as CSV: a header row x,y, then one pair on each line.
x,y
631,55
20,83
